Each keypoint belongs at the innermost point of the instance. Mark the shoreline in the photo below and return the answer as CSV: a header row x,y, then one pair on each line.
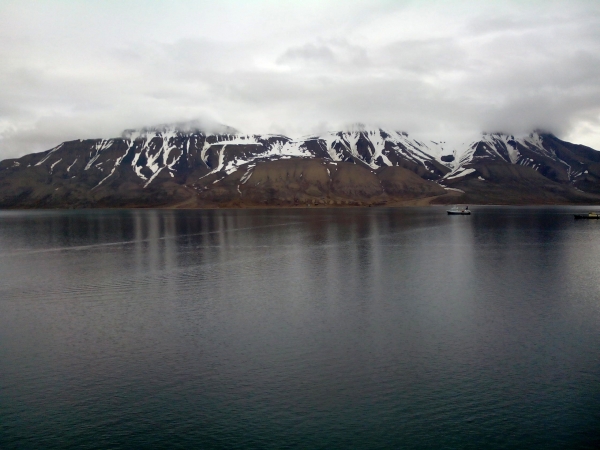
x,y
418,203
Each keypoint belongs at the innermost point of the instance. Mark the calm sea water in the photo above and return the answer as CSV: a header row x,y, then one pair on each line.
x,y
341,328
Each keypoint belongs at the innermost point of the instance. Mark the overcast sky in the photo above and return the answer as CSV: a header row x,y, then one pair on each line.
x,y
86,69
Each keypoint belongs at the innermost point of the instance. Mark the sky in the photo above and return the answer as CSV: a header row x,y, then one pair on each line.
x,y
442,70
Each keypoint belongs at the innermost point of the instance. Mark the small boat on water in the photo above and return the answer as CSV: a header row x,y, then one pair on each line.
x,y
590,215
459,211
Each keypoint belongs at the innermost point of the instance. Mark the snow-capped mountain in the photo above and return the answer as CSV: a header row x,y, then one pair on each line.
x,y
158,165
169,152
556,160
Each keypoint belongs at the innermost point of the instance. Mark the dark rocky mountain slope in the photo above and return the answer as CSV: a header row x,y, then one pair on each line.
x,y
168,167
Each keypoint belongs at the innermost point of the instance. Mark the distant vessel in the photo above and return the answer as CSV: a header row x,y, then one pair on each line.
x,y
590,215
455,211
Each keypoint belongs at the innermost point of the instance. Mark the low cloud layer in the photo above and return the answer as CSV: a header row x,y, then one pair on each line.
x,y
436,69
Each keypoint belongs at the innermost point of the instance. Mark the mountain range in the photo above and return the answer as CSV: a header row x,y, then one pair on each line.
x,y
171,167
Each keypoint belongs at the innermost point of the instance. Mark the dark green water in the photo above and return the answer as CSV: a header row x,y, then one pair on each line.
x,y
342,328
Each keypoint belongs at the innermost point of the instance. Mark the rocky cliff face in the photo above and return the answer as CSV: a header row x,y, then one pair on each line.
x,y
166,167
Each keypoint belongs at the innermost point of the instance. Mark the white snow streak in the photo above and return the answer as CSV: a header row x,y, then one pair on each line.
x,y
49,153
69,168
54,164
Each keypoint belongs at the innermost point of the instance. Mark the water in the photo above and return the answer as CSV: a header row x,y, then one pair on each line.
x,y
340,328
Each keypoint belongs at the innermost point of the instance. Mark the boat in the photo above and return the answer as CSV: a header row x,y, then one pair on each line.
x,y
590,215
458,211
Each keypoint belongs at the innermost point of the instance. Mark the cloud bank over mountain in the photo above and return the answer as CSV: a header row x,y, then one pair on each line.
x,y
449,69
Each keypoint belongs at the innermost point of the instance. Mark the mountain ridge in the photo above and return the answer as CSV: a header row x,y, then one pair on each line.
x,y
166,166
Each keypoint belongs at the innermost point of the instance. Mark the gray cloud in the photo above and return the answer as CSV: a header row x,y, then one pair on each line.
x,y
75,70
308,53
334,54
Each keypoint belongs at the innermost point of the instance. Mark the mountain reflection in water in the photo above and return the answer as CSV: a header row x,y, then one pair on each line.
x,y
316,328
